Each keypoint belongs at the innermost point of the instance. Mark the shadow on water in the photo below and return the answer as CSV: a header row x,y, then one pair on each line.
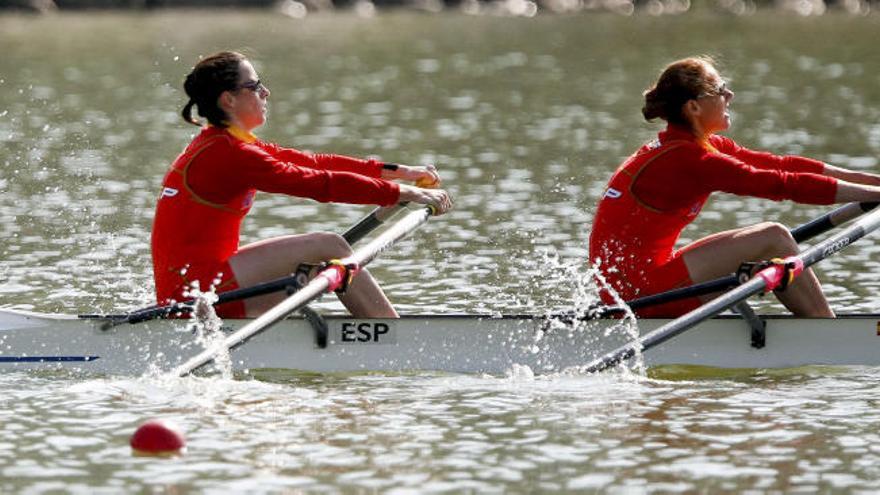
x,y
743,375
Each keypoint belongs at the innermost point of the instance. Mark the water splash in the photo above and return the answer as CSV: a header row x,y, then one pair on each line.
x,y
207,327
575,289
519,372
628,322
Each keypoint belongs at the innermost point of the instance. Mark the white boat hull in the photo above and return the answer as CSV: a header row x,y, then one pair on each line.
x,y
460,344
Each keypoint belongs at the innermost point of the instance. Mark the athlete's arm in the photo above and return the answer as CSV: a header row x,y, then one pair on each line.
x,y
265,172
253,168
766,160
324,161
853,176
724,173
793,163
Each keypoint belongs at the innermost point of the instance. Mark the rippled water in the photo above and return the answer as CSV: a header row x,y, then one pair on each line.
x,y
805,431
525,118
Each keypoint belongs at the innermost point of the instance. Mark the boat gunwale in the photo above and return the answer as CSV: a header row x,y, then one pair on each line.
x,y
512,316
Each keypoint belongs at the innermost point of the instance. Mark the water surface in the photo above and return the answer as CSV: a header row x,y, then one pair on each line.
x,y
526,118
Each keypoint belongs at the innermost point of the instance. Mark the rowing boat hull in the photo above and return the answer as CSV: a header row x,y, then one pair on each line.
x,y
449,343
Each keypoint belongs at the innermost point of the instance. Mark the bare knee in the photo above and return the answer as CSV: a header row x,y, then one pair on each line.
x,y
332,245
776,239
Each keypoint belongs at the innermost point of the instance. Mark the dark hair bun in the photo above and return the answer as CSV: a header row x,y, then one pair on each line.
x,y
654,107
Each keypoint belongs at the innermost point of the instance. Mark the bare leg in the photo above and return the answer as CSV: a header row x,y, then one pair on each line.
x,y
721,254
278,257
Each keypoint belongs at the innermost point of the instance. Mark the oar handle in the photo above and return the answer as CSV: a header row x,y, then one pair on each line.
x,y
377,217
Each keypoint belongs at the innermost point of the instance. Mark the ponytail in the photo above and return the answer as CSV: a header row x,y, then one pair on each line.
x,y
187,113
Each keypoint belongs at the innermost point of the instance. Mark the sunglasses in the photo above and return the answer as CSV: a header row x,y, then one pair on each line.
x,y
255,86
722,90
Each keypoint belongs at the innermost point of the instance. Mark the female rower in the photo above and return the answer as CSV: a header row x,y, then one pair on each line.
x,y
661,188
210,187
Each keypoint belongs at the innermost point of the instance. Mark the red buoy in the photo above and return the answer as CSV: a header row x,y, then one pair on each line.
x,y
158,437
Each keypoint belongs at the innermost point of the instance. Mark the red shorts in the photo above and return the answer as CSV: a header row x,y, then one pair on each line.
x,y
670,275
207,274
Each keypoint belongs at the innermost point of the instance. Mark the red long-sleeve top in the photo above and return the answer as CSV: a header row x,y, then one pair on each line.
x,y
211,186
661,188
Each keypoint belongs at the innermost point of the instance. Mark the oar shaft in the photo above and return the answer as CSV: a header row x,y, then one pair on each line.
x,y
393,234
678,325
830,220
223,297
327,280
704,288
758,283
838,242
369,223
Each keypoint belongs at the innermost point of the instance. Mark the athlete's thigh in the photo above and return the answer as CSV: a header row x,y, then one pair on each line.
x,y
722,253
272,258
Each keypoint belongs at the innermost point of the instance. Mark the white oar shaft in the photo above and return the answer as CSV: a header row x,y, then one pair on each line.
x,y
325,281
394,233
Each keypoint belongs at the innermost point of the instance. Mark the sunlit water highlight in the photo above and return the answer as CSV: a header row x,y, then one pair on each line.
x,y
525,119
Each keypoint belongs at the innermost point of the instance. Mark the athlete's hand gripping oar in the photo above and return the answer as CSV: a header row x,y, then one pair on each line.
x,y
773,277
801,233
356,232
332,277
378,216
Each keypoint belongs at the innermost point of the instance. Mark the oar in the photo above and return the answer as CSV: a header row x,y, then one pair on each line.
x,y
828,221
766,280
332,277
369,223
357,232
801,233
